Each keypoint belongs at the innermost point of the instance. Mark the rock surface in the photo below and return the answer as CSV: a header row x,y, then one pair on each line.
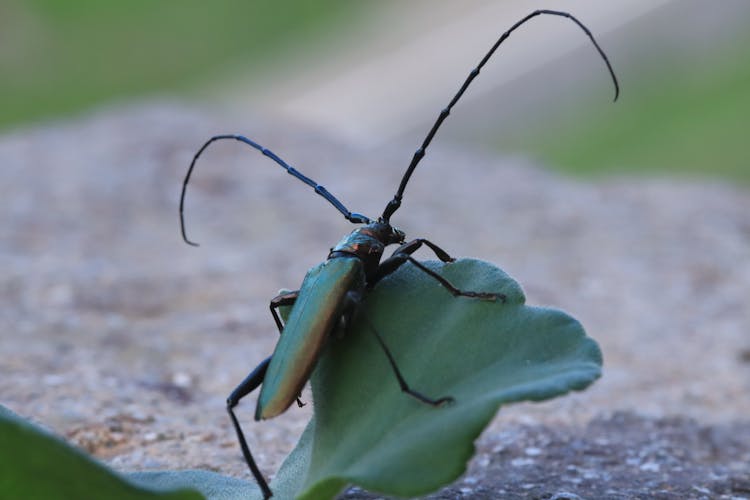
x,y
125,340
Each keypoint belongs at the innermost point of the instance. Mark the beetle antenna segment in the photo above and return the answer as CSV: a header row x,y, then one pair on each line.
x,y
395,203
350,216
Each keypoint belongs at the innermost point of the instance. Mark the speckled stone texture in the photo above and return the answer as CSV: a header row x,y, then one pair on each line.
x,y
125,340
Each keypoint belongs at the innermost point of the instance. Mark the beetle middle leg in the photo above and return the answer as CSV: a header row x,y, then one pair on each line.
x,y
403,254
282,299
354,299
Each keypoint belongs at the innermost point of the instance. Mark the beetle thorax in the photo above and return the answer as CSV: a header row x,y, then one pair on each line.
x,y
368,243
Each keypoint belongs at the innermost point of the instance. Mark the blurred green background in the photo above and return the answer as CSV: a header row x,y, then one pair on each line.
x,y
59,57
684,68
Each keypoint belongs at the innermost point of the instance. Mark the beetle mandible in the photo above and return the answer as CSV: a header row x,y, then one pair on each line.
x,y
331,291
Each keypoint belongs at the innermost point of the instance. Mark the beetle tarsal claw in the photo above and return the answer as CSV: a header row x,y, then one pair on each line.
x,y
488,296
446,401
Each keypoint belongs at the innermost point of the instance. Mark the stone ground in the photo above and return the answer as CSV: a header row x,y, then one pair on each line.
x,y
120,337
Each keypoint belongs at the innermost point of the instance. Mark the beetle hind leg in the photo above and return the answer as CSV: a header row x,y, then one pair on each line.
x,y
251,382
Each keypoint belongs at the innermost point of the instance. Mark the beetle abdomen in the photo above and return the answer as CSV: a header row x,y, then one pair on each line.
x,y
318,307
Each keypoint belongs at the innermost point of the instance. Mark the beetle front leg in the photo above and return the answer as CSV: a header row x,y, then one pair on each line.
x,y
403,254
412,246
251,382
452,289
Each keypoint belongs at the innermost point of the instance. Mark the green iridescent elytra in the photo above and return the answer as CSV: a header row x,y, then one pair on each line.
x,y
318,307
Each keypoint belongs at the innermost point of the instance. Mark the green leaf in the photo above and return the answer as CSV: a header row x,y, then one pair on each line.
x,y
34,464
287,483
212,485
483,354
365,430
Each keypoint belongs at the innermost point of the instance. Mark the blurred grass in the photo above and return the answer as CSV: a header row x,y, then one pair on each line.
x,y
680,113
685,116
59,57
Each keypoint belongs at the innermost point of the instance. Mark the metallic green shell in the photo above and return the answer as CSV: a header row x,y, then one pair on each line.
x,y
314,315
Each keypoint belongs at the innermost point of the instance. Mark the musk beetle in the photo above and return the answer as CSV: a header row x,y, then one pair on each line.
x,y
331,291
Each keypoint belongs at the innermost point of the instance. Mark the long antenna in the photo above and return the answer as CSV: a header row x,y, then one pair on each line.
x,y
395,203
352,217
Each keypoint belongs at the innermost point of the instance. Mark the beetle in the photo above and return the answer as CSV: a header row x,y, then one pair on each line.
x,y
331,292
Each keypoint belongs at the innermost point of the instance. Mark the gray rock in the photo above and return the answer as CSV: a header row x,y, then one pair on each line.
x,y
125,340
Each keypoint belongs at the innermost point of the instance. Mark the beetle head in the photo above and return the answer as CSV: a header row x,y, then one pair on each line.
x,y
398,235
388,234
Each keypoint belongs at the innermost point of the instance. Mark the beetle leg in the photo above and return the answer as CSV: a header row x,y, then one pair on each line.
x,y
351,307
401,381
400,255
251,382
396,260
284,299
452,289
412,246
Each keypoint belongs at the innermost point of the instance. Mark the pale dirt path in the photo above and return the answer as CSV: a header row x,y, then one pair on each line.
x,y
395,70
